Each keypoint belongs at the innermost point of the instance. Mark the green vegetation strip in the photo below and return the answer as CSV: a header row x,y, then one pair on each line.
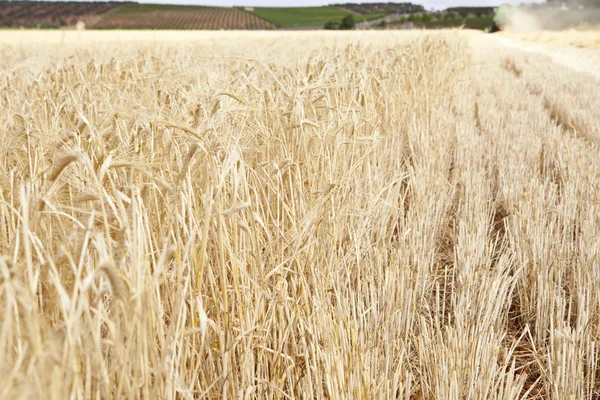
x,y
479,23
289,17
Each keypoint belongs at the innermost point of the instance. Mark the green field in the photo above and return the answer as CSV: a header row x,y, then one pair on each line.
x,y
287,17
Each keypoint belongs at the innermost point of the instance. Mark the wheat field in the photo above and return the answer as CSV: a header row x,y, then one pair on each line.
x,y
234,215
579,38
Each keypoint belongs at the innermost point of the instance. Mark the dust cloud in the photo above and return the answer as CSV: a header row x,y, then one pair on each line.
x,y
523,21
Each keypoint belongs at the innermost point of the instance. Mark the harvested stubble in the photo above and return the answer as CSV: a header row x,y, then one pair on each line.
x,y
382,219
578,38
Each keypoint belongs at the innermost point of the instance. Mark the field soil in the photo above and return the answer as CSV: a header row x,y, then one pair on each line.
x,y
330,215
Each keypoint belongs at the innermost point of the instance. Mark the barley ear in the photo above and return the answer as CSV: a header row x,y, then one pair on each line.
x,y
119,283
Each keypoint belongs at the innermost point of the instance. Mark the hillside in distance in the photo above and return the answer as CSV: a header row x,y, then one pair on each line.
x,y
121,15
286,17
385,8
162,16
16,14
131,15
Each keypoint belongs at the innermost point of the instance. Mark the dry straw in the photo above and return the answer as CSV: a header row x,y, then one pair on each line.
x,y
392,215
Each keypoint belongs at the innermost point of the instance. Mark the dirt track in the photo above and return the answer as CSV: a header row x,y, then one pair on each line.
x,y
584,60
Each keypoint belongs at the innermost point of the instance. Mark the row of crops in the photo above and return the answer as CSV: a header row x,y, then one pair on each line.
x,y
135,16
127,15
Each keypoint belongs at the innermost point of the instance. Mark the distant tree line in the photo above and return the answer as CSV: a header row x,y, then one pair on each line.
x,y
385,8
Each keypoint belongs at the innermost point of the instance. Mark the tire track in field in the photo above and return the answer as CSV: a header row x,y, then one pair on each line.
x,y
514,91
559,113
524,354
569,59
497,116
